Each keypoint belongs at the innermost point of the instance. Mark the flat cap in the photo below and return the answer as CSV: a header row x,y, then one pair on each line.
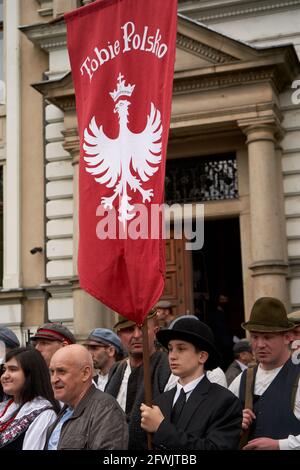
x,y
125,323
164,304
9,338
242,346
54,332
106,337
294,317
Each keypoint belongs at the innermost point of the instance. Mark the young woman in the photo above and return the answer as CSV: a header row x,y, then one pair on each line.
x,y
30,407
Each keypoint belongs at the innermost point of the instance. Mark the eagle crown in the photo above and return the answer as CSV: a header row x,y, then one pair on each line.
x,y
122,89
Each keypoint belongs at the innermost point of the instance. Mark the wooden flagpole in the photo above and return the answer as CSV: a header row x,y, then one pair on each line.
x,y
147,377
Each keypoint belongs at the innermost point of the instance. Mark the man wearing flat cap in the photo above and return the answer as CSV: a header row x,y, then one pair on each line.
x,y
274,421
164,312
242,357
9,338
126,381
295,318
196,414
50,337
106,349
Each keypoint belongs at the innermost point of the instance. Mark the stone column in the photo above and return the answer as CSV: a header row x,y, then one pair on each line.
x,y
269,264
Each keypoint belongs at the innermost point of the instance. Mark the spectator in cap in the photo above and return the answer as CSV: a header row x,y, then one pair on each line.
x,y
106,349
295,318
9,338
164,312
243,356
196,414
126,382
274,421
50,337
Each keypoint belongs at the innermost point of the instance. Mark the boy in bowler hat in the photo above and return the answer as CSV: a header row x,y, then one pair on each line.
x,y
273,423
196,414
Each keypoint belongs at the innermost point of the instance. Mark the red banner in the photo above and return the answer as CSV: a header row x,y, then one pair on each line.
x,y
122,55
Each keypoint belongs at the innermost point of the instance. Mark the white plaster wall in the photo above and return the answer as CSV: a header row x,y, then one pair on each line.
x,y
61,309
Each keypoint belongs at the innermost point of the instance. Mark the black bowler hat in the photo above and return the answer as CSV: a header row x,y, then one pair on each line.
x,y
195,332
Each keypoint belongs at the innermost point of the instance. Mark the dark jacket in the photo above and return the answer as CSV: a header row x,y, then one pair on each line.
x,y
160,373
232,372
211,420
98,423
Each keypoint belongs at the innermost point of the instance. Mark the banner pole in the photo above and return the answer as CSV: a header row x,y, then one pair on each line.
x,y
147,378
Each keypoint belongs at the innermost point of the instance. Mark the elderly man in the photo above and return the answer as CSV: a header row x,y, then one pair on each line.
x,y
90,419
242,357
50,337
106,349
274,421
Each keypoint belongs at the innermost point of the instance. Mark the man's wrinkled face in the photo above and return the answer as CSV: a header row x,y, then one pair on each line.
x,y
132,338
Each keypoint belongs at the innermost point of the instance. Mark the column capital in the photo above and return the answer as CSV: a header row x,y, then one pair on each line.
x,y
261,129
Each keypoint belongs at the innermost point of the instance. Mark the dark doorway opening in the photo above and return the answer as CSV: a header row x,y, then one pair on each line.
x,y
217,270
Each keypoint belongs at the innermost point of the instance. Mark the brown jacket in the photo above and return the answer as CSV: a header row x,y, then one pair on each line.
x,y
98,423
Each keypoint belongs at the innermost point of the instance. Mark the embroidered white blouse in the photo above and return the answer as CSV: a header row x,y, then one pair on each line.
x,y
35,436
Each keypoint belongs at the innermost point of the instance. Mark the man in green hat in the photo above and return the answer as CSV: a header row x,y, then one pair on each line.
x,y
126,381
274,421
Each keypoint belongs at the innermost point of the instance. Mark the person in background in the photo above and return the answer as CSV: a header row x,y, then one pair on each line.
x,y
10,341
243,356
50,337
9,338
90,419
196,414
106,349
274,421
30,406
218,320
295,318
164,312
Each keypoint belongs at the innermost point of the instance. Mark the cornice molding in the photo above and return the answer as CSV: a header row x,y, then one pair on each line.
x,y
46,36
208,12
196,84
199,49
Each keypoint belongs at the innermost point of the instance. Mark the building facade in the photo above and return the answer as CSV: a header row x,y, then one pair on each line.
x,y
234,147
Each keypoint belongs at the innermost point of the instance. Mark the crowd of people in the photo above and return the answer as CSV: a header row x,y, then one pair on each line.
x,y
56,394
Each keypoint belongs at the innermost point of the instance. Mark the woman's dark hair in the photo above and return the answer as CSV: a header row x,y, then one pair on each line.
x,y
37,376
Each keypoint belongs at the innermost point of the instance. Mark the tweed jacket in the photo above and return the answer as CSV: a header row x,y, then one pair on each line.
x,y
211,420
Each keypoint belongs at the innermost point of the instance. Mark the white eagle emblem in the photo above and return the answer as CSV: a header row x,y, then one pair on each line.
x,y
127,161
